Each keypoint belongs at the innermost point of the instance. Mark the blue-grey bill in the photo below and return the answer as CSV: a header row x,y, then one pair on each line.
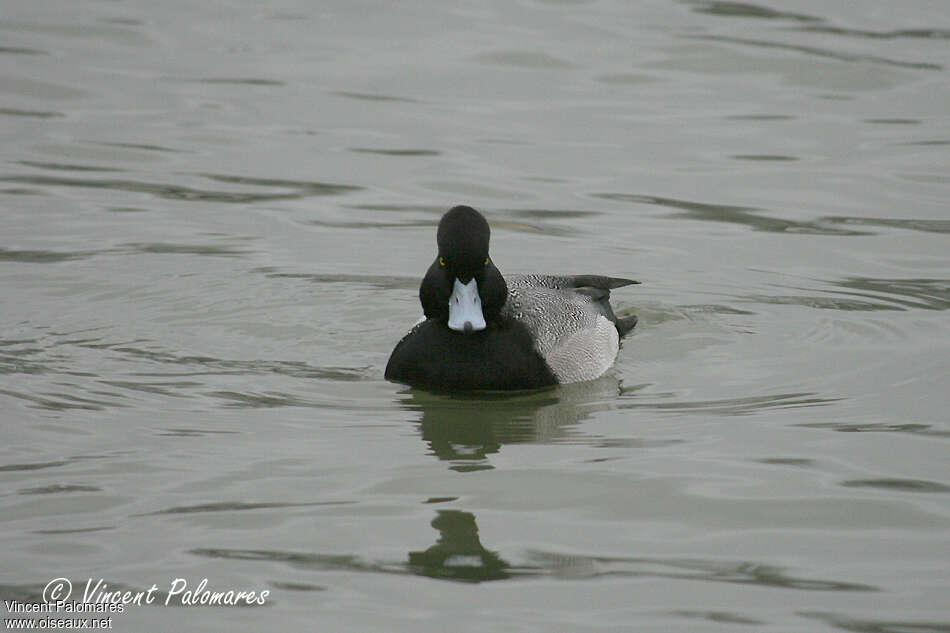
x,y
465,307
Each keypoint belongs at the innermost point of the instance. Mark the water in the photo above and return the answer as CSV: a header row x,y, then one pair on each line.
x,y
214,221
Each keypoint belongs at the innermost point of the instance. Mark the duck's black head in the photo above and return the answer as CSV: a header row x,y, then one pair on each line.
x,y
462,287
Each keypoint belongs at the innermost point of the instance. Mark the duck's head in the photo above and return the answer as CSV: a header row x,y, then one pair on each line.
x,y
462,287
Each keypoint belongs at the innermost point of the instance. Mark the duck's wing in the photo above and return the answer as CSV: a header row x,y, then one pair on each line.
x,y
570,320
578,282
595,288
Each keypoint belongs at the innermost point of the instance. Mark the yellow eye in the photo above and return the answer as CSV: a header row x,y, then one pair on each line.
x,y
486,261
442,262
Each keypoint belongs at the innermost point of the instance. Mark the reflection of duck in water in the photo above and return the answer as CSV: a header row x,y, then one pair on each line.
x,y
467,430
487,332
458,554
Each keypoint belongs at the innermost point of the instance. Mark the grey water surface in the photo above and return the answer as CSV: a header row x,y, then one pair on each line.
x,y
214,217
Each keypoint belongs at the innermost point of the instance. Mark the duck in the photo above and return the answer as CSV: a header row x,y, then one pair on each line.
x,y
483,331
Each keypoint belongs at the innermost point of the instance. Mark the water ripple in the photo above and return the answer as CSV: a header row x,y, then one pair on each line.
x,y
747,216
57,489
752,217
866,294
143,146
365,224
208,364
383,282
818,52
368,96
921,294
908,224
459,556
241,506
104,528
56,355
297,191
39,114
858,625
167,388
247,400
902,485
531,60
42,256
429,209
396,152
182,432
736,406
912,428
739,572
775,158
811,23
820,303
798,462
61,401
64,166
921,33
31,466
187,249
760,117
747,10
528,220
721,617
16,50
241,81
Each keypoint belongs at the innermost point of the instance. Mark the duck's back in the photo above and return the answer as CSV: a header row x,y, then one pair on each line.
x,y
570,321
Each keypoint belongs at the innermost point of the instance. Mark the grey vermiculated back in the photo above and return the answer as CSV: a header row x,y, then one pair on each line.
x,y
556,308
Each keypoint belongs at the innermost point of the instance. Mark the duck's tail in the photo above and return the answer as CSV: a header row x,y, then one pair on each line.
x,y
625,324
598,287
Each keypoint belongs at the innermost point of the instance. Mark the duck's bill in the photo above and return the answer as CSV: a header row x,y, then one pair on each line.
x,y
465,307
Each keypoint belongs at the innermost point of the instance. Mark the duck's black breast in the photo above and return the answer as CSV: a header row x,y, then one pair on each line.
x,y
501,357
